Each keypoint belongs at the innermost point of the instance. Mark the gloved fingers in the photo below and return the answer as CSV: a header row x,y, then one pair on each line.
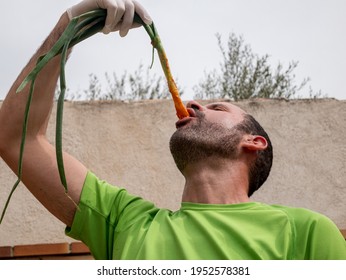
x,y
120,13
127,19
115,12
141,11
127,9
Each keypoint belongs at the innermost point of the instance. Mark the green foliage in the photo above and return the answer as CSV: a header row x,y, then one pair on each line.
x,y
244,75
140,85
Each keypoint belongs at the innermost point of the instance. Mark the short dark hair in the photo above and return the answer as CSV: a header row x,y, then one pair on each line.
x,y
260,169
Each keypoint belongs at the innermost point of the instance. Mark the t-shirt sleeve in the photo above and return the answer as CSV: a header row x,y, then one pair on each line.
x,y
318,238
102,211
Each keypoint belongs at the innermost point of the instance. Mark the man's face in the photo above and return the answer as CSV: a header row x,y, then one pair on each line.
x,y
208,131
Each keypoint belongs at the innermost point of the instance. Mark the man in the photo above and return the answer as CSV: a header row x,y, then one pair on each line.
x,y
223,153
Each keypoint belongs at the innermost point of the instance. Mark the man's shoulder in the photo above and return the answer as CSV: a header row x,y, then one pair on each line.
x,y
294,210
298,213
306,218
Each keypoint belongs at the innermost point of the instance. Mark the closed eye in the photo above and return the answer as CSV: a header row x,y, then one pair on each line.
x,y
218,107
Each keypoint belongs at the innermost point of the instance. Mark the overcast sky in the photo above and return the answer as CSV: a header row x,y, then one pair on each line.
x,y
312,32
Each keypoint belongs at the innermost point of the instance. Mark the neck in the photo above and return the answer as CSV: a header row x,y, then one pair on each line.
x,y
216,181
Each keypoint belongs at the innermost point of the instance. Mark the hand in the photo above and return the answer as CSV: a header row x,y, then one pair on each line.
x,y
120,13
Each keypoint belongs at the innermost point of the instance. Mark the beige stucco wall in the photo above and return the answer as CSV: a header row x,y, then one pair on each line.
x,y
127,144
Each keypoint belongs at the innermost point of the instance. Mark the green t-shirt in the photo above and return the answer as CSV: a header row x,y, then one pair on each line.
x,y
117,225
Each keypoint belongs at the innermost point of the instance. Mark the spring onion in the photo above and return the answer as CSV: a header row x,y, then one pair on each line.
x,y
79,29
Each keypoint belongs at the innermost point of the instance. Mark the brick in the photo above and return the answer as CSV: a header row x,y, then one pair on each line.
x,y
79,248
67,257
6,252
41,249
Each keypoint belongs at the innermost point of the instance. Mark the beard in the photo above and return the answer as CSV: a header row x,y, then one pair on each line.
x,y
201,140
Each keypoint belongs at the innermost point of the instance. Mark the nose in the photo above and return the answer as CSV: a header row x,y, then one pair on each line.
x,y
194,105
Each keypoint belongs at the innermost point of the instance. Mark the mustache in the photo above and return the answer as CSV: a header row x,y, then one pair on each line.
x,y
199,114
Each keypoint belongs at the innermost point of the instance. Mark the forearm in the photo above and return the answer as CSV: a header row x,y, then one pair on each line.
x,y
13,108
40,173
39,165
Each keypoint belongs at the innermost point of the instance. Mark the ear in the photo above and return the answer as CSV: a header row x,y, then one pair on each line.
x,y
254,142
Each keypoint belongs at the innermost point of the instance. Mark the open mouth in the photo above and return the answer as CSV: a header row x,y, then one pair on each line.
x,y
182,122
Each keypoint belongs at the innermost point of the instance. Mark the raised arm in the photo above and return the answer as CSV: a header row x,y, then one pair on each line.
x,y
40,173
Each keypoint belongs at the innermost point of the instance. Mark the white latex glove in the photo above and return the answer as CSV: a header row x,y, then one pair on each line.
x,y
119,13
